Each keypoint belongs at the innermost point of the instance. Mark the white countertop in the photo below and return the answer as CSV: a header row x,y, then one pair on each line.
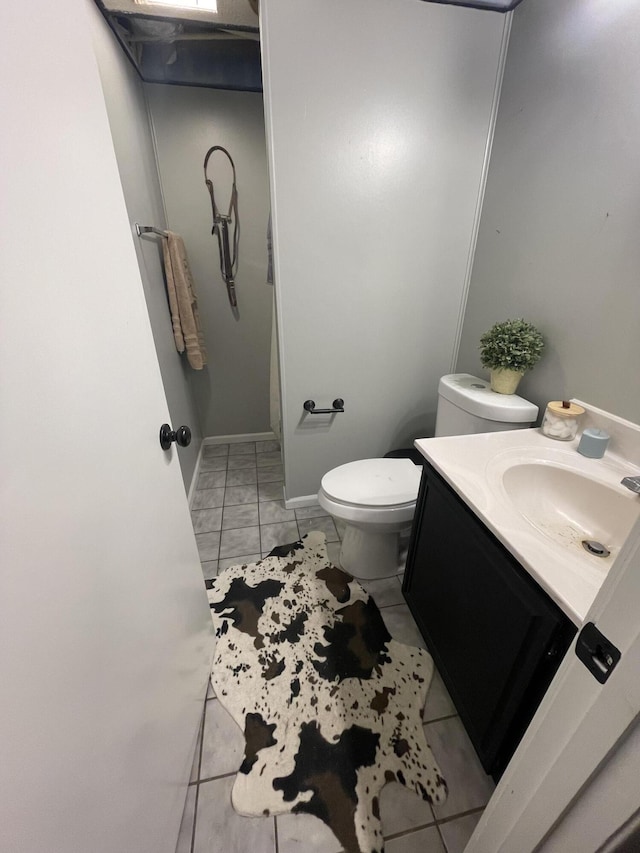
x,y
473,466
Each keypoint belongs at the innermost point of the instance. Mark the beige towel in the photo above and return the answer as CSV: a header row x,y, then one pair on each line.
x,y
182,301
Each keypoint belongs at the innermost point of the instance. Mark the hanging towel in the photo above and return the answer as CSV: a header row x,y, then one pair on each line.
x,y
182,301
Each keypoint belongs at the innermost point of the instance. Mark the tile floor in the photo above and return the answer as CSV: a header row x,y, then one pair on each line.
x,y
238,516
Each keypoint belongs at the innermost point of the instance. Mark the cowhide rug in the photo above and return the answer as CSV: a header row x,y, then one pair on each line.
x,y
329,703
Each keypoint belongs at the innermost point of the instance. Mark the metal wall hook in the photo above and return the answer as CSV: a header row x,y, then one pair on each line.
x,y
310,407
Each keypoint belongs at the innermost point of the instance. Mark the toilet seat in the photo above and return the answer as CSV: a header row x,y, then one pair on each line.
x,y
372,490
373,482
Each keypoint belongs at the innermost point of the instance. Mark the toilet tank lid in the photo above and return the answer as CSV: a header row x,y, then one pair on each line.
x,y
475,396
374,482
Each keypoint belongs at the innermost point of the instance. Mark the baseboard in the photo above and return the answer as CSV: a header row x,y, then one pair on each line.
x,y
196,473
236,439
303,500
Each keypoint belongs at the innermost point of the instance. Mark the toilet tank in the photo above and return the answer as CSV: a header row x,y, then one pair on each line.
x,y
467,405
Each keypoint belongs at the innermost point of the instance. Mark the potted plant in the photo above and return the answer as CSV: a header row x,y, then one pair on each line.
x,y
509,349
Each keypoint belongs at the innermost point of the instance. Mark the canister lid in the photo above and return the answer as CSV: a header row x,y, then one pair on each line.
x,y
573,411
474,395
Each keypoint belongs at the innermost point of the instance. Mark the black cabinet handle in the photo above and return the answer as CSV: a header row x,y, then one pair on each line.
x,y
310,407
181,436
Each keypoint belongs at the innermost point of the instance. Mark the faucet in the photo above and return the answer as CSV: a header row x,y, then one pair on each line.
x,y
632,483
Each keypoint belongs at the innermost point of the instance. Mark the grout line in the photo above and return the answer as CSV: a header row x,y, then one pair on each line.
x,y
413,829
449,818
195,815
383,578
439,719
195,805
215,778
275,833
444,844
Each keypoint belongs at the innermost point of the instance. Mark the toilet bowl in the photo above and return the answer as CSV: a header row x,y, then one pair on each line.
x,y
376,500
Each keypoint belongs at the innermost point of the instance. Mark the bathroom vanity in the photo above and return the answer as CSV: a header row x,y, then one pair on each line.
x,y
496,637
499,578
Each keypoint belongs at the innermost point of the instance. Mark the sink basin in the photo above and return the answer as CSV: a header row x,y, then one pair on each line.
x,y
569,507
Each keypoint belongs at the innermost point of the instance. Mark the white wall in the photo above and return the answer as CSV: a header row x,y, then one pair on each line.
x,y
105,632
558,241
133,143
232,394
378,115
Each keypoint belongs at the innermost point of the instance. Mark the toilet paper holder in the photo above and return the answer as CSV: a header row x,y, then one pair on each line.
x,y
310,407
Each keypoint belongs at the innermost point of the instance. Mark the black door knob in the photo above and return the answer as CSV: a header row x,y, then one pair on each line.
x,y
181,436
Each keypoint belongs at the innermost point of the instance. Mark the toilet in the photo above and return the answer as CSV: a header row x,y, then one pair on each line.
x,y
376,498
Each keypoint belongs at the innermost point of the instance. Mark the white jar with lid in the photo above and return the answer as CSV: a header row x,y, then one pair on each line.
x,y
561,420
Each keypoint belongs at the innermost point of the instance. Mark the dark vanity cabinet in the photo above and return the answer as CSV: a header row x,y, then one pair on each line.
x,y
495,636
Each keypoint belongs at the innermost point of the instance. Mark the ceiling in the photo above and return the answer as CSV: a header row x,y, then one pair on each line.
x,y
193,46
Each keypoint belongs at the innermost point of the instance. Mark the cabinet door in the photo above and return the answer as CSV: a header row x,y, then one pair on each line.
x,y
487,624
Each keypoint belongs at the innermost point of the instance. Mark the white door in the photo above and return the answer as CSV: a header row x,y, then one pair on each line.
x,y
579,730
105,636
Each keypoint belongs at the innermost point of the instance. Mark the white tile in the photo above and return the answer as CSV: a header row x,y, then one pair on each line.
x,y
469,786
333,553
207,498
208,546
401,625
267,446
244,477
186,826
314,511
243,515
237,463
266,460
274,474
210,691
237,561
245,540
273,512
223,745
219,828
278,534
402,809
439,703
384,591
206,520
213,463
241,495
324,524
209,569
422,841
456,833
212,480
270,491
242,448
210,450
304,833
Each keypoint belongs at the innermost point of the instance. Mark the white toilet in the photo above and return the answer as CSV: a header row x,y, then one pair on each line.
x,y
376,498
